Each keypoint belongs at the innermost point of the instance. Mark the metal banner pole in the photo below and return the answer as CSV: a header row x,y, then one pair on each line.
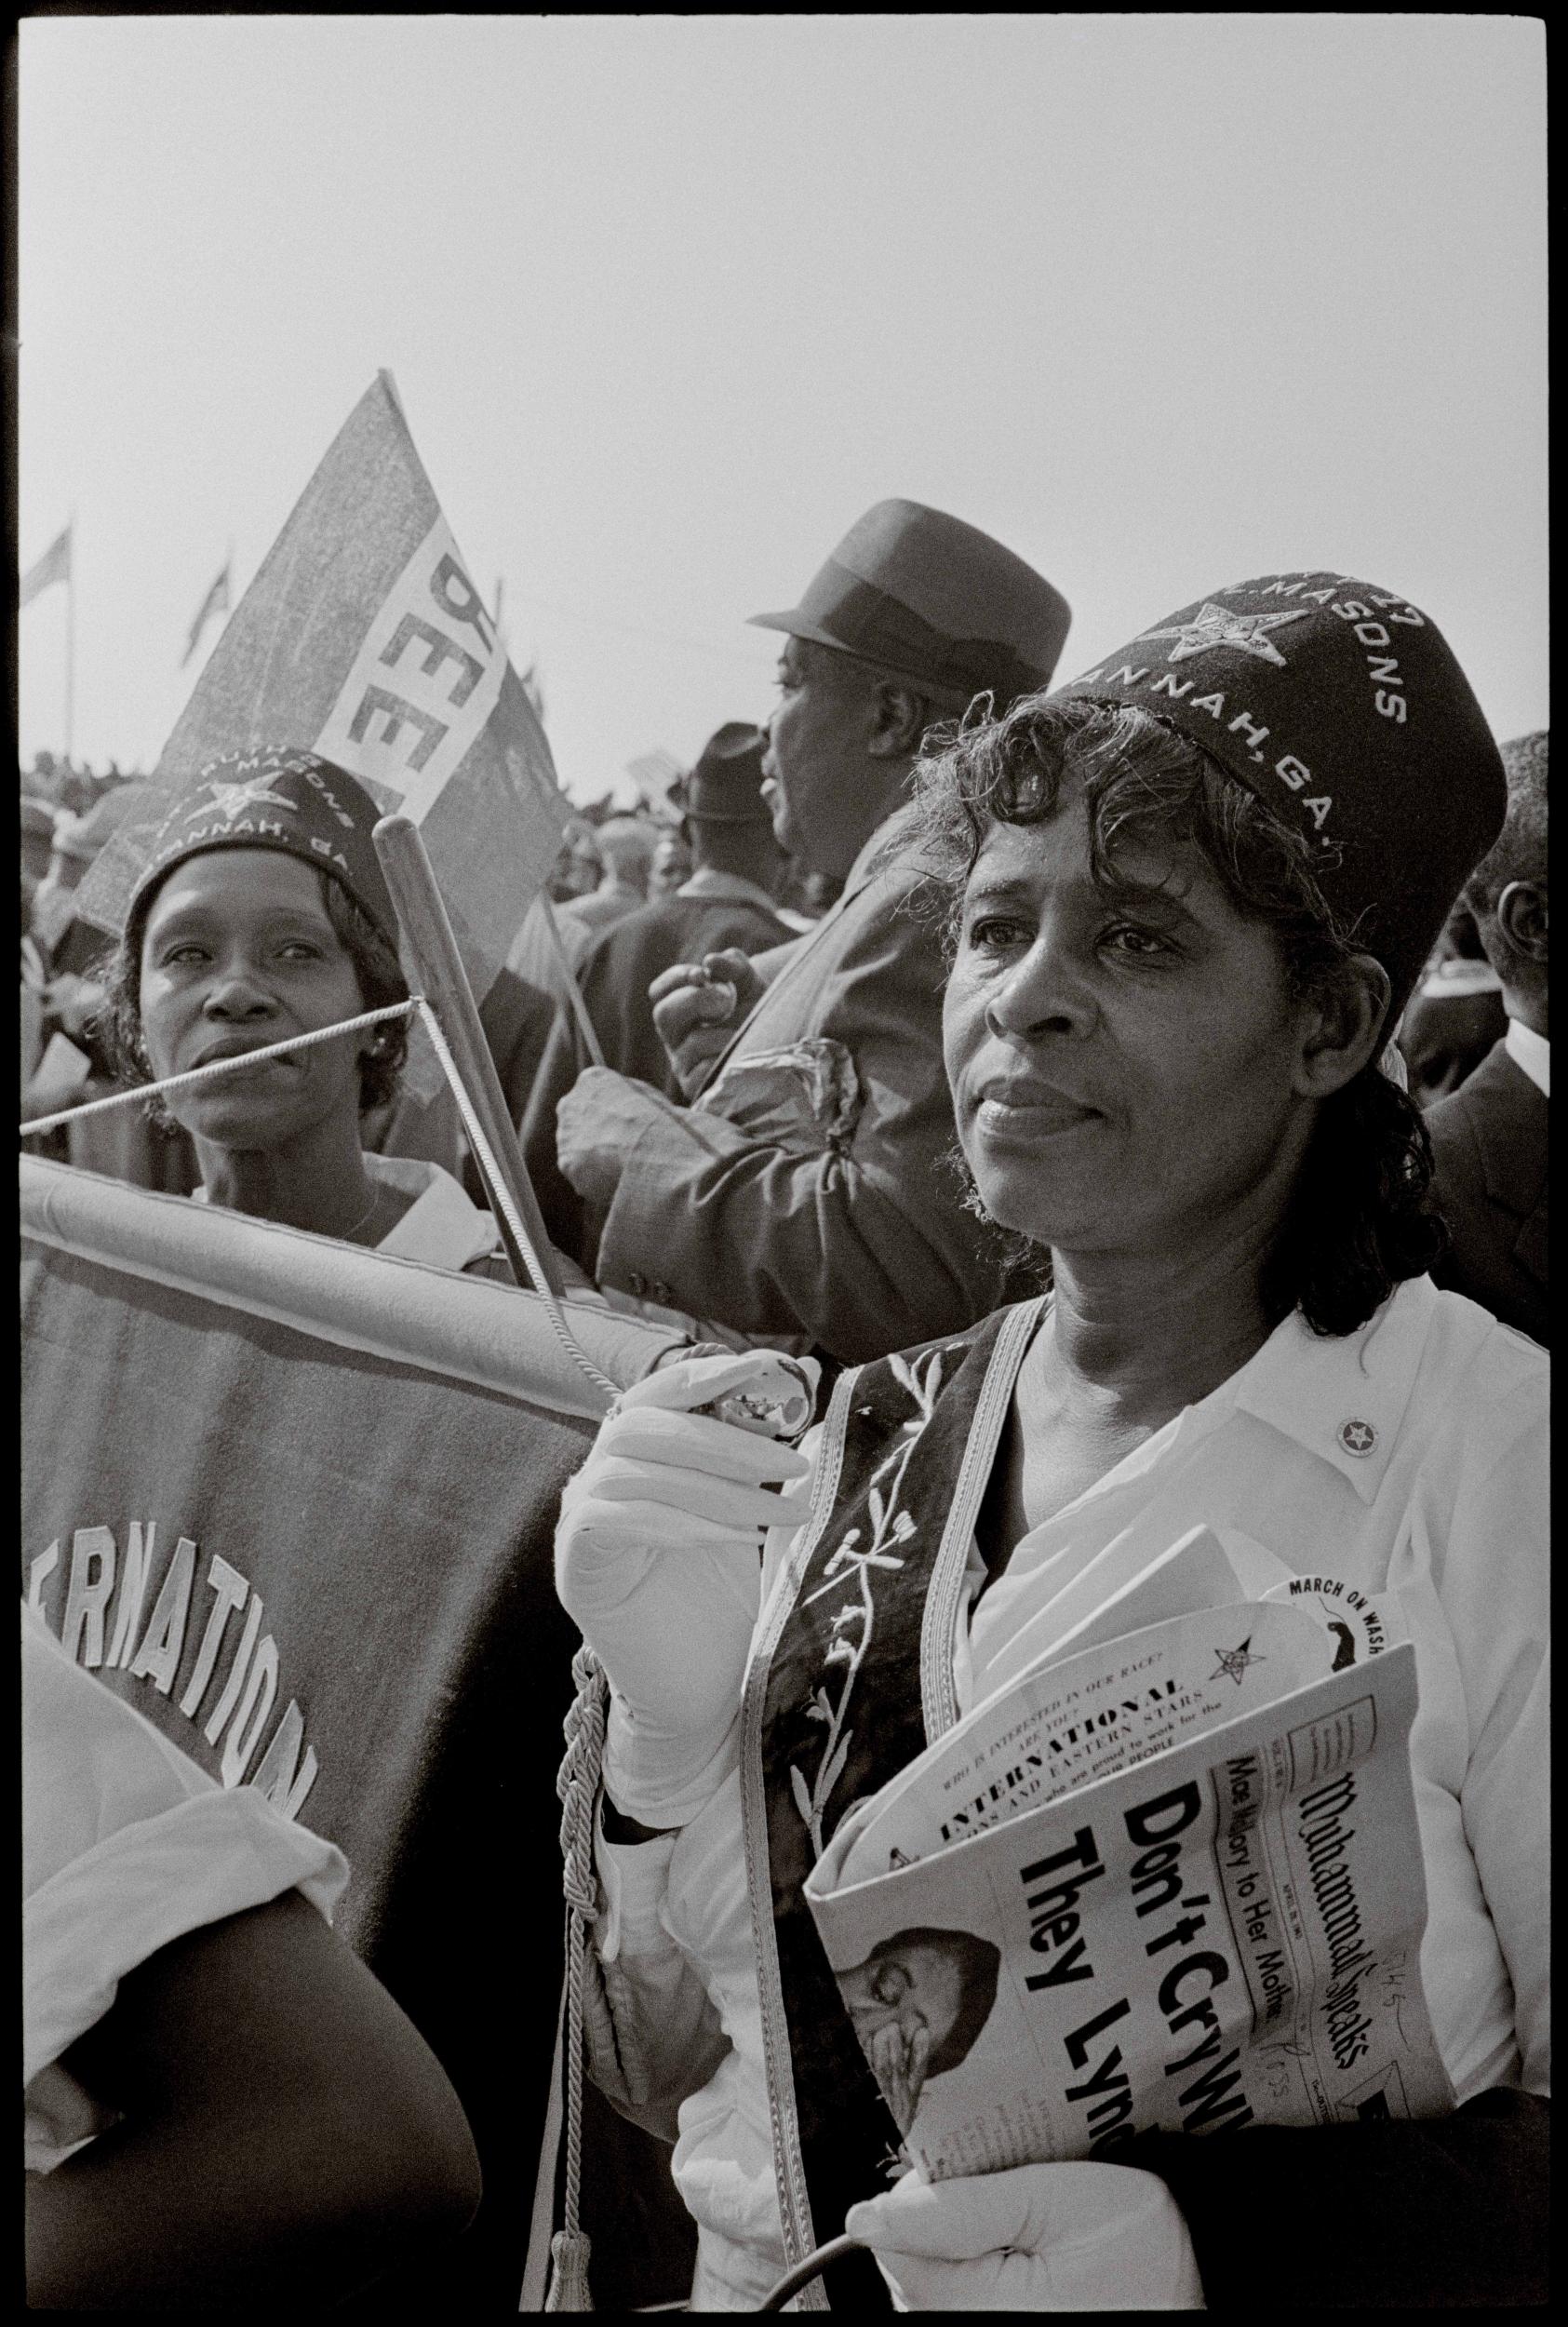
x,y
569,980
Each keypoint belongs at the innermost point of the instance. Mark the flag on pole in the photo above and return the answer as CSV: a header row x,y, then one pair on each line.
x,y
362,636
53,566
215,602
655,776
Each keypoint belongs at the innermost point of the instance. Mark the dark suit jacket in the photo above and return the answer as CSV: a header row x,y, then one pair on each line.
x,y
1490,1141
614,976
805,1193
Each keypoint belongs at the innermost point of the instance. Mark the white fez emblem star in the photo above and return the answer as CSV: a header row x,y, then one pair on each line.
x,y
1216,626
229,800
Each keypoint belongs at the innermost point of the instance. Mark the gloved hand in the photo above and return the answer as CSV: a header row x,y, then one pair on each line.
x,y
1084,2236
658,1563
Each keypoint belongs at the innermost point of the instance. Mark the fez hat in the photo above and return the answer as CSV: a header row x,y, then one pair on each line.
x,y
273,798
937,600
725,785
1342,706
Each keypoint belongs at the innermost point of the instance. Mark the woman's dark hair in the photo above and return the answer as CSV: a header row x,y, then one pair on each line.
x,y
978,1963
1360,1220
375,966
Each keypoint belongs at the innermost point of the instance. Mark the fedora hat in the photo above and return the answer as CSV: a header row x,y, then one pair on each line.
x,y
937,600
725,785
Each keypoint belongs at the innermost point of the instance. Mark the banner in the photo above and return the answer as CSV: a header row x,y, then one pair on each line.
x,y
295,1502
362,636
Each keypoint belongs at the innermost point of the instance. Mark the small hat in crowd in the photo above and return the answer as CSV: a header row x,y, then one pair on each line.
x,y
1342,706
934,599
725,785
81,837
274,798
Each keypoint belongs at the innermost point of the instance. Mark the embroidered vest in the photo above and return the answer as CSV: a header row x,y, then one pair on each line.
x,y
852,1678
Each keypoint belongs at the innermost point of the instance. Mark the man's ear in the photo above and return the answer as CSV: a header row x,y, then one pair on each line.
x,y
901,715
1521,917
1341,1027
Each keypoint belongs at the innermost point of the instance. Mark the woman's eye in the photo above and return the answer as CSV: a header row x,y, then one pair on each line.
x,y
992,932
1142,944
180,957
300,949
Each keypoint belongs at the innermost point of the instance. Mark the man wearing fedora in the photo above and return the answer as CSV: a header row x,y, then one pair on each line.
x,y
803,1194
725,903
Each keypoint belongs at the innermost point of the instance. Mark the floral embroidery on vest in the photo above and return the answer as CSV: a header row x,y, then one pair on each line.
x,y
890,1523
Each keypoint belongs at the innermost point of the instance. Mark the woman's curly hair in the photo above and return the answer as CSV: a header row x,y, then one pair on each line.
x,y
375,966
1359,1219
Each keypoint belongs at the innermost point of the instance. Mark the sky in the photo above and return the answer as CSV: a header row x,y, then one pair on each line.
x,y
1160,301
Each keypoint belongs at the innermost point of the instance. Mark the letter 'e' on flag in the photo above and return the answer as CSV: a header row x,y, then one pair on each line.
x,y
362,636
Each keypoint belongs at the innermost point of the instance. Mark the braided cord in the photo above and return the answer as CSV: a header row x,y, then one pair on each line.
x,y
577,1786
216,1067
486,1156
140,1092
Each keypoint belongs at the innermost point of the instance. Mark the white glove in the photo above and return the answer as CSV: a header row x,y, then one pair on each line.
x,y
1038,2238
658,1563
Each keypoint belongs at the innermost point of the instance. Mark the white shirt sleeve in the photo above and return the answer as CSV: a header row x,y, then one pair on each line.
x,y
127,1845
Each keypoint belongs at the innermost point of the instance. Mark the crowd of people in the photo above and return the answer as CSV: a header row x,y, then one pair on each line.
x,y
1166,1050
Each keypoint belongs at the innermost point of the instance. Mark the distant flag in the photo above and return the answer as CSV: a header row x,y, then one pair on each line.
x,y
53,566
655,776
363,637
215,602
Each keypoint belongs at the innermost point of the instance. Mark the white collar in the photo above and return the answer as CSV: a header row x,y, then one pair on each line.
x,y
725,888
1342,1397
441,1227
1531,1053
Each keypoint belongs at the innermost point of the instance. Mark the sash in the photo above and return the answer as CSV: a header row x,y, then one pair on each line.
x,y
851,1677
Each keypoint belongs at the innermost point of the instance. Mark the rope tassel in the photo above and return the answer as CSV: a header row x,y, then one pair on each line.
x,y
577,1787
568,2273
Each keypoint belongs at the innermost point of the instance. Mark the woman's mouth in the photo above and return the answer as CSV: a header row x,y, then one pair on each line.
x,y
1031,1110
229,1048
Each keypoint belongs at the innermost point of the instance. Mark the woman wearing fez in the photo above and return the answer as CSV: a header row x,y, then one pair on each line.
x,y
260,912
1186,897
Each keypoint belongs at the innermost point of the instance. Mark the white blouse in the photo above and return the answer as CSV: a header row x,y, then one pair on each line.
x,y
1409,1460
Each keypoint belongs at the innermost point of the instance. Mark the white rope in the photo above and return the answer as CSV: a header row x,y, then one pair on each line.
x,y
216,1067
486,1158
139,1093
578,1789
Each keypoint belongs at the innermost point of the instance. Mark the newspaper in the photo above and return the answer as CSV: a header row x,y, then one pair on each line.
x,y
1170,1880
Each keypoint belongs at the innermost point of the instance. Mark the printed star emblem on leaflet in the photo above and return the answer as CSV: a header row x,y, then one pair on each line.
x,y
1216,626
229,800
1233,1662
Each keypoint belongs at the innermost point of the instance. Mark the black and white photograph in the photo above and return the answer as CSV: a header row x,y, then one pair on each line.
x,y
784,1077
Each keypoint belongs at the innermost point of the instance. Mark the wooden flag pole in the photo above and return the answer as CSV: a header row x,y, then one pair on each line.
x,y
586,1025
70,632
444,982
